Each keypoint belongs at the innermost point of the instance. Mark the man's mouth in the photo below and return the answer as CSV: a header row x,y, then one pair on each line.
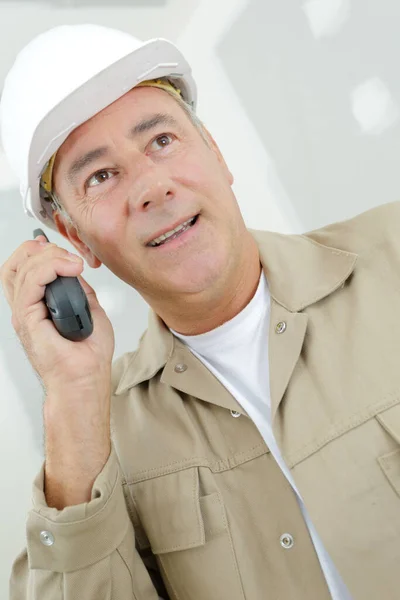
x,y
173,233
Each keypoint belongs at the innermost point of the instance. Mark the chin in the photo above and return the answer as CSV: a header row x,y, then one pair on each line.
x,y
198,278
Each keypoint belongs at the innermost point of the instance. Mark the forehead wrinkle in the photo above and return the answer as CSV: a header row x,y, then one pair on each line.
x,y
151,122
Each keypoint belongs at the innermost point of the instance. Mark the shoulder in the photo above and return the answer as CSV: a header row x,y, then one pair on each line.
x,y
361,233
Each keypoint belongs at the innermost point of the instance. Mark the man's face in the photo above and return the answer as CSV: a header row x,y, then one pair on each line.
x,y
148,171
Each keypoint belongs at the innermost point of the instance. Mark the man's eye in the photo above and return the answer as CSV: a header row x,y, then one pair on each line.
x,y
161,141
98,178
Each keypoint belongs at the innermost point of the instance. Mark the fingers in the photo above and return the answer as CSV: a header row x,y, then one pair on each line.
x,y
26,273
42,239
9,269
39,270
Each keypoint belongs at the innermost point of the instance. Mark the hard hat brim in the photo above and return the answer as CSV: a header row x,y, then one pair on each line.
x,y
154,59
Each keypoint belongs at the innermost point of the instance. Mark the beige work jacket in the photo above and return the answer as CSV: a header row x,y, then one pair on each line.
x,y
191,505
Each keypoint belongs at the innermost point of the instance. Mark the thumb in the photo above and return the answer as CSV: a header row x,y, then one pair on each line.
x,y
90,293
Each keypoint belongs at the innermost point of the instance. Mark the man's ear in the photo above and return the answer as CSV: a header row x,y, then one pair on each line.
x,y
214,146
70,233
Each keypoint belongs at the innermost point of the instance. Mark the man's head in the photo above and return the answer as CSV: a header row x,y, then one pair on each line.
x,y
137,169
129,167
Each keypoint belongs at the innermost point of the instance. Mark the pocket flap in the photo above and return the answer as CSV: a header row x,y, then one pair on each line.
x,y
390,464
169,509
390,420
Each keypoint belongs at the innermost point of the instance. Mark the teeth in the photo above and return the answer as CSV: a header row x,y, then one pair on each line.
x,y
168,234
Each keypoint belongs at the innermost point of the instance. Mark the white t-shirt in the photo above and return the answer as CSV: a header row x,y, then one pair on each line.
x,y
237,354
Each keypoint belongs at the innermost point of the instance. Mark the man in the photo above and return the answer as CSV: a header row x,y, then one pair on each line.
x,y
250,447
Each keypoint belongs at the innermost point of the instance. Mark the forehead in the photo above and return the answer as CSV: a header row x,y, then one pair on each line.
x,y
129,109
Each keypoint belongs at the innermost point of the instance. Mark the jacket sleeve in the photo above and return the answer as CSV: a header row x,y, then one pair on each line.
x,y
83,551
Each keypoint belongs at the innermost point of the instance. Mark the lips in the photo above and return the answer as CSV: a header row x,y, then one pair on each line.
x,y
172,233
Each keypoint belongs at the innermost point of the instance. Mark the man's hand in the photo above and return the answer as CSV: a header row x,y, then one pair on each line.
x,y
59,362
76,375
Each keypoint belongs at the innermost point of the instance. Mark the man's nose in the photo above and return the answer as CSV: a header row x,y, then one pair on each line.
x,y
153,191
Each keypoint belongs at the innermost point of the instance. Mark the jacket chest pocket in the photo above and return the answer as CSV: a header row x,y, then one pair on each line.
x,y
390,462
189,535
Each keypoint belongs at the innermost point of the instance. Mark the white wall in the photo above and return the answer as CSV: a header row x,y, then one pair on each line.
x,y
302,98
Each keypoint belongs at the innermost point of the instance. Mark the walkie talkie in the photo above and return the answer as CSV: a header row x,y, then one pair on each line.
x,y
68,306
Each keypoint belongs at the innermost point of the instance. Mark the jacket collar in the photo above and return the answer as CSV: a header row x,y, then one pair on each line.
x,y
299,272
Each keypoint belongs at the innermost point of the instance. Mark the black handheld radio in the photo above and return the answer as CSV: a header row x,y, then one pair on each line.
x,y
68,306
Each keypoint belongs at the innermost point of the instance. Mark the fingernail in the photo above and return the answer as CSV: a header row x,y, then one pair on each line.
x,y
73,257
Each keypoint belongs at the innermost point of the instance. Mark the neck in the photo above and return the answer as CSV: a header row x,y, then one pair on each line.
x,y
205,314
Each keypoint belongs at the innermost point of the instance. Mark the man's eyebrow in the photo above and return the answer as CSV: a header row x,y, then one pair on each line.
x,y
83,161
151,122
145,125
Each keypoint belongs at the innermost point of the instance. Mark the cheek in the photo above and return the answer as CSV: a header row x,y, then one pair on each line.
x,y
105,213
200,174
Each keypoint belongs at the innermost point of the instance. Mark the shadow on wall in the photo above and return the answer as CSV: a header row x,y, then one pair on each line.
x,y
322,90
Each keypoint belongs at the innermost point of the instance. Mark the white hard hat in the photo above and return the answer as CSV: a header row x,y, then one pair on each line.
x,y
64,77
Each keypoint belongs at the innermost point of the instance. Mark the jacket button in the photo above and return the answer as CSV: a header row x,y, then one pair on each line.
x,y
180,368
235,413
46,538
287,541
281,327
